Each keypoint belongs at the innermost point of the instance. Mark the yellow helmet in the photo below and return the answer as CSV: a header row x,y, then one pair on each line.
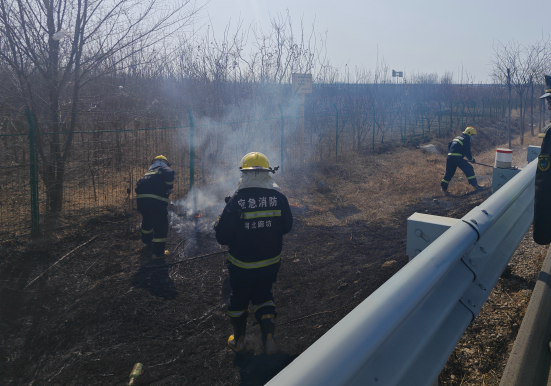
x,y
254,161
470,131
161,158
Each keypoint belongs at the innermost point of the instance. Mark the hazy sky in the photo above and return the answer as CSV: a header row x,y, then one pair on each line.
x,y
423,35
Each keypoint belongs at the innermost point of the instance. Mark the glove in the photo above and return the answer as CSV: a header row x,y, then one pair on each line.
x,y
473,161
227,199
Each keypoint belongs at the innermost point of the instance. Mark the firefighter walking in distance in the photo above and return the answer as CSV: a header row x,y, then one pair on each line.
x,y
458,148
152,192
253,224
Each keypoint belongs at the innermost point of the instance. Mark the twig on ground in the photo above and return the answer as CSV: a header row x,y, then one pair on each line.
x,y
176,248
308,316
67,254
187,260
93,264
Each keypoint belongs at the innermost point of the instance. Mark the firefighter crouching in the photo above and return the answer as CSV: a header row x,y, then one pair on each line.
x,y
458,148
152,192
253,224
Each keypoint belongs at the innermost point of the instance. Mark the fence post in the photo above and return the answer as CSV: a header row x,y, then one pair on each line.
x,y
373,143
191,149
462,112
439,117
422,122
282,135
482,110
405,124
336,134
35,208
451,116
474,111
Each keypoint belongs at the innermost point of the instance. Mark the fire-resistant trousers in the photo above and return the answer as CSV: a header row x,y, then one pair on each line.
x,y
154,225
454,162
257,290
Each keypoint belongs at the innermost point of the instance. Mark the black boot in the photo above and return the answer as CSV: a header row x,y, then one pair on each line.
x,y
237,341
267,326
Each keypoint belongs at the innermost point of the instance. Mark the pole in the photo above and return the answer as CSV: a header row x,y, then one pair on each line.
x,y
373,143
191,149
405,124
509,107
482,110
462,112
439,117
282,136
422,122
337,134
451,116
302,98
35,208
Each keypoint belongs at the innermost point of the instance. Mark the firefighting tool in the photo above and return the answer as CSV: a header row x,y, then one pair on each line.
x,y
162,158
478,163
470,131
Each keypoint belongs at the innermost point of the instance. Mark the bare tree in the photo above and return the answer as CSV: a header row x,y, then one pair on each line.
x,y
517,65
54,48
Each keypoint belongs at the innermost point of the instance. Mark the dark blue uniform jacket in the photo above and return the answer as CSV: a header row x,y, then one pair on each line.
x,y
153,187
252,225
460,146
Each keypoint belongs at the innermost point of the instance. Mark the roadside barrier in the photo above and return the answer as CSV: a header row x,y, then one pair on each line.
x,y
530,359
404,332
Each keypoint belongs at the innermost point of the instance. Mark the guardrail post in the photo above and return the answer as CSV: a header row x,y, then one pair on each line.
x,y
191,149
282,136
35,208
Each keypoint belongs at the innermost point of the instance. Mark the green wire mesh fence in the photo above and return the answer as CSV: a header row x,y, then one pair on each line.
x,y
62,176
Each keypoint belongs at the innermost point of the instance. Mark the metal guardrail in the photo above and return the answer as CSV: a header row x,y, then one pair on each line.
x,y
530,359
404,332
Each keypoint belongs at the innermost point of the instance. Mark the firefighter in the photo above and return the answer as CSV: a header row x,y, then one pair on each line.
x,y
458,148
542,203
152,192
253,224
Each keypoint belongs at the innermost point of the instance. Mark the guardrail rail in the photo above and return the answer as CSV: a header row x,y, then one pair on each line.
x,y
403,333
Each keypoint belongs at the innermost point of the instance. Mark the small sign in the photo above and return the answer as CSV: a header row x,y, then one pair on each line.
x,y
399,74
302,84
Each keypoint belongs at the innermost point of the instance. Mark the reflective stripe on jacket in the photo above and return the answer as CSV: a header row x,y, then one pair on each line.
x,y
253,224
460,146
155,184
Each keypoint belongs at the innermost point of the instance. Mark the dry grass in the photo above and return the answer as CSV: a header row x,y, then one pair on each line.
x,y
373,187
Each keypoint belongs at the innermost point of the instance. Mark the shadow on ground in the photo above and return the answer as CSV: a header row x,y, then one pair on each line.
x,y
153,277
257,370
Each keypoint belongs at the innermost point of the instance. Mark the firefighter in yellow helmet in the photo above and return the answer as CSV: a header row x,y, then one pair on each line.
x,y
458,148
152,192
253,224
